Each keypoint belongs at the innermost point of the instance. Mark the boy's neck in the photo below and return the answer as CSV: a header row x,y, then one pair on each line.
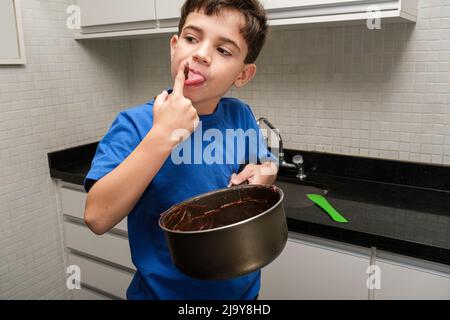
x,y
206,107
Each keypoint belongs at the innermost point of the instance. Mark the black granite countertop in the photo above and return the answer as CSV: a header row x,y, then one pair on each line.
x,y
390,217
72,165
396,206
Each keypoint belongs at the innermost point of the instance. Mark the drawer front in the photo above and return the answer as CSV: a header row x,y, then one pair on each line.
x,y
108,246
73,202
101,276
86,294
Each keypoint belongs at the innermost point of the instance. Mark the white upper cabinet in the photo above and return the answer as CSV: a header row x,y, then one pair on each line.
x,y
168,12
289,4
116,15
335,12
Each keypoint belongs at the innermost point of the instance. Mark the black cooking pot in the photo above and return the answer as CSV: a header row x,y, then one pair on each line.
x,y
226,233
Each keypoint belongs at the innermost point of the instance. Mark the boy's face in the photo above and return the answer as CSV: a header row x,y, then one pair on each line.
x,y
215,51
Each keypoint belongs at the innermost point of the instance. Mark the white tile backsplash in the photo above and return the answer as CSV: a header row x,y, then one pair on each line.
x,y
345,90
67,94
378,93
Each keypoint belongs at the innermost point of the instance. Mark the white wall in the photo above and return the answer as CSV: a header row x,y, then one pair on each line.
x,y
66,95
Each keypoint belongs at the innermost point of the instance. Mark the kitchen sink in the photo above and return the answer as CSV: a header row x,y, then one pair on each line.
x,y
295,193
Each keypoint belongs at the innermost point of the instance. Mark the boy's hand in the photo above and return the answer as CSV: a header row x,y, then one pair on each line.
x,y
174,116
265,173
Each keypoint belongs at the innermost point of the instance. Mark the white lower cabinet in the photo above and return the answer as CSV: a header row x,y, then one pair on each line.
x,y
101,276
306,270
406,281
88,294
73,199
108,247
104,261
310,268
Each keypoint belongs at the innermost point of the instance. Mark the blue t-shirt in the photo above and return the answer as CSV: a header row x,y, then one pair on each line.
x,y
193,168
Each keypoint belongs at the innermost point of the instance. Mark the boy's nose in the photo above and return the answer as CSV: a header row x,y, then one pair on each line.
x,y
201,58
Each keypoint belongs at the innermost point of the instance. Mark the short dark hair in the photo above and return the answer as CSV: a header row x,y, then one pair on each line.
x,y
254,31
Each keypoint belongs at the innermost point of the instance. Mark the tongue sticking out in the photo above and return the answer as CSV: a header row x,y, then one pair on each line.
x,y
194,78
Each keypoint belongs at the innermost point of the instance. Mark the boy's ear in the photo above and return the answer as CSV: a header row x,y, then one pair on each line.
x,y
173,44
246,75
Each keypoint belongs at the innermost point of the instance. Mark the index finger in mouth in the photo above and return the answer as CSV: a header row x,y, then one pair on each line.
x,y
186,70
181,76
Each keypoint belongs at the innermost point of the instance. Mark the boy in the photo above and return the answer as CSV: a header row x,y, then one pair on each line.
x,y
137,172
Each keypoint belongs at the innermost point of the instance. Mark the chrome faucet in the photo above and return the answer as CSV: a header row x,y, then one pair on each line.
x,y
298,159
298,162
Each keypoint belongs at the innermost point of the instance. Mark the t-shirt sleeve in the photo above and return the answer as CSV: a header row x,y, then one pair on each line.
x,y
260,152
120,140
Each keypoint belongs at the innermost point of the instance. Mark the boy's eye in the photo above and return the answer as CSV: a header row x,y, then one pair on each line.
x,y
224,52
189,38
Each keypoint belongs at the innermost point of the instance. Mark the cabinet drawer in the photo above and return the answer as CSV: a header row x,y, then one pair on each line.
x,y
108,246
73,202
86,294
101,276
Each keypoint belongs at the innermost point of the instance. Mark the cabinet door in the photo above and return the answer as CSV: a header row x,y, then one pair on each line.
x,y
400,281
286,4
87,294
309,271
73,203
128,14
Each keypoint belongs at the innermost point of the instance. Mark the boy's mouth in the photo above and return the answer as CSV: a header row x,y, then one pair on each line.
x,y
194,78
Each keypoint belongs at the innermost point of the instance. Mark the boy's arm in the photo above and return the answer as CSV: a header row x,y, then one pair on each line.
x,y
112,197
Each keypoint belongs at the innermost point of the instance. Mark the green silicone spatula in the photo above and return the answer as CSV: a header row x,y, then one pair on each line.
x,y
327,207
